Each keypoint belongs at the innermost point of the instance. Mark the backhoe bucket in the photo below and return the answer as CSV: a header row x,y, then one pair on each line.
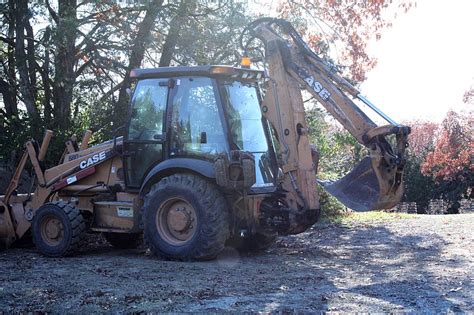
x,y
365,189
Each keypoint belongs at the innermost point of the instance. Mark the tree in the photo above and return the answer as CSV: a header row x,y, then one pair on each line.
x,y
450,162
25,57
65,34
419,188
8,82
137,53
344,24
182,33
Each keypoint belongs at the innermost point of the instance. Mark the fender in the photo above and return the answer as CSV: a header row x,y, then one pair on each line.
x,y
168,167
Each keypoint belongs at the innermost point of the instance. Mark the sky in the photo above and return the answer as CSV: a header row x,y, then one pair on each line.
x,y
425,61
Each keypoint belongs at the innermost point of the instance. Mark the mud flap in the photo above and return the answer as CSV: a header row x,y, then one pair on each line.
x,y
360,189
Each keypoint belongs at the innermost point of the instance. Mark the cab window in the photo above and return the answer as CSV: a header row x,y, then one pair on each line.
x,y
145,130
148,108
196,127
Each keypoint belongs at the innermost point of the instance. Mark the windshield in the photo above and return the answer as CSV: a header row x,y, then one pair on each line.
x,y
246,126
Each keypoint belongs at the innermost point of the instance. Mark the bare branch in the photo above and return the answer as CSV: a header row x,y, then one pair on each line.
x,y
53,14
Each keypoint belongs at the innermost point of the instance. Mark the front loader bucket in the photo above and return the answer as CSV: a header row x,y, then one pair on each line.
x,y
365,189
7,232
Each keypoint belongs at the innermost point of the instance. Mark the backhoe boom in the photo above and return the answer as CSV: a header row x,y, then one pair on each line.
x,y
376,183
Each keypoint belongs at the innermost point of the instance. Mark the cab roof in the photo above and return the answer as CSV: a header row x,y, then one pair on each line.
x,y
209,70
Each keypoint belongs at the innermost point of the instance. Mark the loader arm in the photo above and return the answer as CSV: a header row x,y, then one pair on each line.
x,y
376,183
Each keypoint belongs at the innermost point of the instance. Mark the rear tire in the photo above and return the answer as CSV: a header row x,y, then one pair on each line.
x,y
58,229
185,218
124,240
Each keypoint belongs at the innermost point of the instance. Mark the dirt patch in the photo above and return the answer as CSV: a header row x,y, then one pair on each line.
x,y
412,265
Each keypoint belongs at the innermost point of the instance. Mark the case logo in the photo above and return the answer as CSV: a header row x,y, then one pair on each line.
x,y
316,86
93,160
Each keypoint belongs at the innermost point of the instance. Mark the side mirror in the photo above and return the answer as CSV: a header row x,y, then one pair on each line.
x,y
116,135
203,137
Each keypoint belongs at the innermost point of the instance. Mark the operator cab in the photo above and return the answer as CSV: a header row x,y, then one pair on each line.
x,y
193,115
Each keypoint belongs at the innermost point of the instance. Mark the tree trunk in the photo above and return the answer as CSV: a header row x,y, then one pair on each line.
x,y
8,99
22,16
64,63
45,78
136,57
30,49
12,108
171,40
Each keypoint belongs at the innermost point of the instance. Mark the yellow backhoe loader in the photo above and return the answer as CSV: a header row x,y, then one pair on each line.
x,y
206,160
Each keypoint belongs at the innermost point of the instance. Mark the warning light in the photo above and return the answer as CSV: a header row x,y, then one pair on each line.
x,y
245,62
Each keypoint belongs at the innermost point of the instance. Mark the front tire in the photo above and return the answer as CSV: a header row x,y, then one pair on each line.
x,y
185,218
58,229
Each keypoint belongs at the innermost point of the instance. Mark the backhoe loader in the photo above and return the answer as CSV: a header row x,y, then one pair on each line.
x,y
206,160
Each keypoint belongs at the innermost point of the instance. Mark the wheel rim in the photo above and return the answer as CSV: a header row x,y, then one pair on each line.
x,y
52,230
176,221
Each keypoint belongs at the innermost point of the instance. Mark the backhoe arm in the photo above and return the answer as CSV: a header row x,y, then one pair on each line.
x,y
376,183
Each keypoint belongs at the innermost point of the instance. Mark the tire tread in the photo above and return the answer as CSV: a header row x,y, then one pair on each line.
x,y
214,231
78,226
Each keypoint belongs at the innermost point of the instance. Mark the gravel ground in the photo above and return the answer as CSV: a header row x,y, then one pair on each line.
x,y
419,264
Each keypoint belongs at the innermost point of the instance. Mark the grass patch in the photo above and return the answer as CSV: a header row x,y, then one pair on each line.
x,y
369,216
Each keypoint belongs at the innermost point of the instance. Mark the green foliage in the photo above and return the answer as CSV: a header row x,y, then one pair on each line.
x,y
15,131
88,52
212,38
338,149
339,153
329,205
369,217
418,187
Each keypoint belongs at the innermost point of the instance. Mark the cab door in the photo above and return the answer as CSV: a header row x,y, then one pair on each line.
x,y
143,145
